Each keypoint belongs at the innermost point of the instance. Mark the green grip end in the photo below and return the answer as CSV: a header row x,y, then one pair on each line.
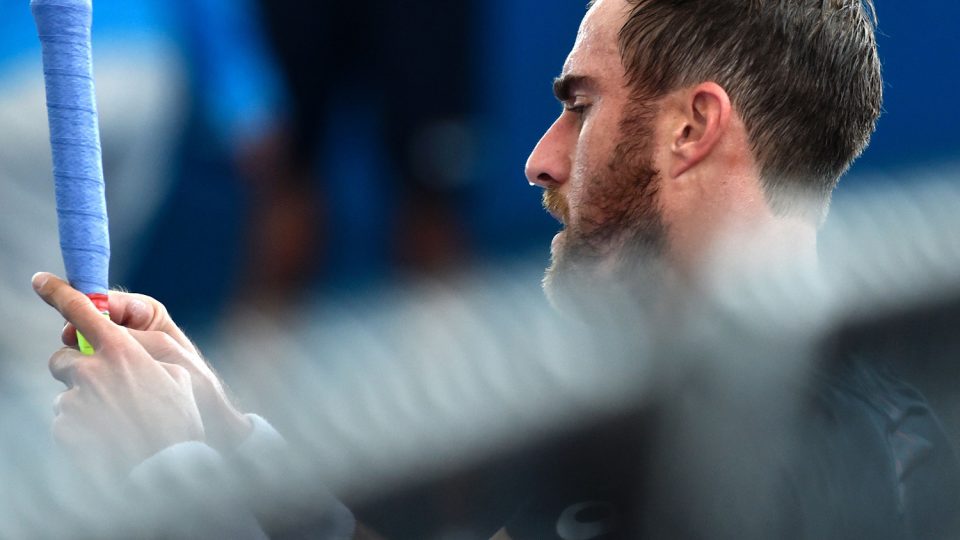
x,y
82,342
84,345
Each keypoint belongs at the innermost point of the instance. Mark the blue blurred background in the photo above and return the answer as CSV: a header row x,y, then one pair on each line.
x,y
264,153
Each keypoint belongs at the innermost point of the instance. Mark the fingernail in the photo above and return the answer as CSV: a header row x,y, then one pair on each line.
x,y
39,280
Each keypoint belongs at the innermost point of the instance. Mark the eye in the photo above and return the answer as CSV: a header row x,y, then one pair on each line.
x,y
577,108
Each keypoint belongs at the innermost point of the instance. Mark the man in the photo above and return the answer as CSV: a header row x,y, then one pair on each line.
x,y
698,134
687,125
686,120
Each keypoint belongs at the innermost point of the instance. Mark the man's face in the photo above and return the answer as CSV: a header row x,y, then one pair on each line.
x,y
596,164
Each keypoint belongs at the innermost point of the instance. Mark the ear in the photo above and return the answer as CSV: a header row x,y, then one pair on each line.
x,y
704,118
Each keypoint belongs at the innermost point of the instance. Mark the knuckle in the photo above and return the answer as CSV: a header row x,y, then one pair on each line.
x,y
56,359
66,403
167,344
112,343
61,360
85,371
178,373
158,310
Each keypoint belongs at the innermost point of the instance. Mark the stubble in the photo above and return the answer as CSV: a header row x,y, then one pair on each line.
x,y
619,231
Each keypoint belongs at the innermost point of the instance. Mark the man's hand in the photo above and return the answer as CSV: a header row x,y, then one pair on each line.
x,y
120,406
150,324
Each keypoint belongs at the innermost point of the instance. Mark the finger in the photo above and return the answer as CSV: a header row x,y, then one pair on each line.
x,y
62,365
75,307
140,312
170,353
65,402
133,310
126,309
180,375
162,347
69,335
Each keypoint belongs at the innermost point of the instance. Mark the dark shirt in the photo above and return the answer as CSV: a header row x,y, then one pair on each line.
x,y
867,459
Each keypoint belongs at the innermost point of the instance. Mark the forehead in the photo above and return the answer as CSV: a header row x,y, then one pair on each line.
x,y
596,51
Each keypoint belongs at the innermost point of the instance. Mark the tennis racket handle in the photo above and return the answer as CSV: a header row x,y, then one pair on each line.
x,y
102,303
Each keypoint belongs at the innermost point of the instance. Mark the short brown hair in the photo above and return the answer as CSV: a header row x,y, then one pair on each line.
x,y
804,76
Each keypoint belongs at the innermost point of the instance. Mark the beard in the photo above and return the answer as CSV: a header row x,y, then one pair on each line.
x,y
620,233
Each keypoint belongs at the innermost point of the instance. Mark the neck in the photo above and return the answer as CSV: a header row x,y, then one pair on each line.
x,y
775,245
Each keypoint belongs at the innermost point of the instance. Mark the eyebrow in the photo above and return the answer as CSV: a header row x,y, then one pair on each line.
x,y
564,86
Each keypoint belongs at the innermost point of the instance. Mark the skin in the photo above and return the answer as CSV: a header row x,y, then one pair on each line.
x,y
707,194
708,202
708,189
107,417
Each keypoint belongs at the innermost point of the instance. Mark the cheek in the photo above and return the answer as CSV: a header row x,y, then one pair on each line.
x,y
595,146
590,162
574,194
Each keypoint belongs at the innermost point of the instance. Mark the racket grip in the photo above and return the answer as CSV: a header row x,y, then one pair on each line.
x,y
63,27
102,303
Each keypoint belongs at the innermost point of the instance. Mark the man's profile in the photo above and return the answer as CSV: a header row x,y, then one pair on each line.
x,y
689,127
685,119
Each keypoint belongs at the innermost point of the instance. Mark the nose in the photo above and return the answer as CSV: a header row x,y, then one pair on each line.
x,y
549,164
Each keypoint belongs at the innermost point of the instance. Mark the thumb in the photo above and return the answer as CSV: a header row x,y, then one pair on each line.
x,y
75,308
141,312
